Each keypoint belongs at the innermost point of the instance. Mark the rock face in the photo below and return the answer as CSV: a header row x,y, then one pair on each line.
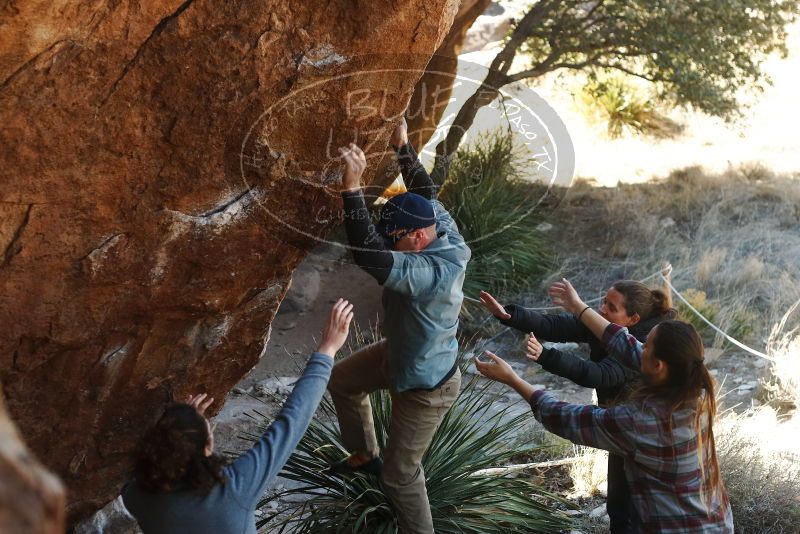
x,y
164,166
31,498
434,89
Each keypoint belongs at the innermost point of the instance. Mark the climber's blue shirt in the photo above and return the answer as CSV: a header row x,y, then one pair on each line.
x,y
230,508
422,299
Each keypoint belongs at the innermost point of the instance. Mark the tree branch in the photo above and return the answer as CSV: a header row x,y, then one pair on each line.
x,y
630,72
503,60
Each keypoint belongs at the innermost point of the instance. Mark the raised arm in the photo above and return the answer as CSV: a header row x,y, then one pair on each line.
x,y
564,295
415,176
618,341
611,429
250,474
366,244
626,348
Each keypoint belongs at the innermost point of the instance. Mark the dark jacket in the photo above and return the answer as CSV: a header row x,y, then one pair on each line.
x,y
606,374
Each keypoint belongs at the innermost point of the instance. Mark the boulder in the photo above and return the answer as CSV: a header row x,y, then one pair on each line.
x,y
164,166
31,498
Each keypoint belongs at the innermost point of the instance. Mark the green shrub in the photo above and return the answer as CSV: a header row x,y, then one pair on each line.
x,y
496,211
469,439
625,109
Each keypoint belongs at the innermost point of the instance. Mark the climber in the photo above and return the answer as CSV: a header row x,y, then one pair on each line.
x,y
181,486
417,254
663,431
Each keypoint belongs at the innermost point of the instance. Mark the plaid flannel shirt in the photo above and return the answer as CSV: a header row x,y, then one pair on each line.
x,y
662,466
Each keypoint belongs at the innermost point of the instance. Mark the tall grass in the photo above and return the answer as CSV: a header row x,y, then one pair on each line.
x,y
734,236
781,388
472,436
496,212
760,464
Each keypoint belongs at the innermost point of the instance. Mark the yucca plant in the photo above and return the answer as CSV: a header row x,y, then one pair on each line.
x,y
471,437
497,212
625,109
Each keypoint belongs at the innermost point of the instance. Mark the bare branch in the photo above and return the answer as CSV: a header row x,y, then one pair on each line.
x,y
549,64
503,60
626,70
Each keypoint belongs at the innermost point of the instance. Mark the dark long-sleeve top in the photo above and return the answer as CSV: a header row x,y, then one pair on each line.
x,y
606,374
369,249
422,290
229,508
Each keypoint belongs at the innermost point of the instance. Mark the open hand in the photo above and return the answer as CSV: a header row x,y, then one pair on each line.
x,y
533,349
337,328
400,134
354,164
494,307
496,369
564,295
200,402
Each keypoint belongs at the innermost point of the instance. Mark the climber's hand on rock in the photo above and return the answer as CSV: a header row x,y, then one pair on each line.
x,y
335,333
400,134
354,164
200,402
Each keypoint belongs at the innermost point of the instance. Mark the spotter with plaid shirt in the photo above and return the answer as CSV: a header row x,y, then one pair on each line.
x,y
664,430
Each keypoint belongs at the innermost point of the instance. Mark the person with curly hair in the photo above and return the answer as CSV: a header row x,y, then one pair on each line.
x,y
181,486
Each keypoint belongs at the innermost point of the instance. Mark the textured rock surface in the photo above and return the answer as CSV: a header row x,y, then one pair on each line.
x,y
31,498
164,166
434,89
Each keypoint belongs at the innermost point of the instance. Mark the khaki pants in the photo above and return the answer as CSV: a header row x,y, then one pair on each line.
x,y
415,416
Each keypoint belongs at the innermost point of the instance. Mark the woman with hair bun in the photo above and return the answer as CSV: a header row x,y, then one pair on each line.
x,y
181,486
628,303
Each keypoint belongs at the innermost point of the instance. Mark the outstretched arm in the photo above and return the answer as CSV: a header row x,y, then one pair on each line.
x,y
250,474
609,429
606,373
559,328
415,176
564,295
367,246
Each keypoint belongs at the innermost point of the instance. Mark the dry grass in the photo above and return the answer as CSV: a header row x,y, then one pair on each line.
x,y
709,264
734,236
760,463
589,473
781,388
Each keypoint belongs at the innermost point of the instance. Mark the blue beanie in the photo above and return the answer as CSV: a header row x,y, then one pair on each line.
x,y
407,211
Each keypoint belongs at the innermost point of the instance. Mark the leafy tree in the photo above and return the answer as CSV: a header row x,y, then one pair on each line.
x,y
697,53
